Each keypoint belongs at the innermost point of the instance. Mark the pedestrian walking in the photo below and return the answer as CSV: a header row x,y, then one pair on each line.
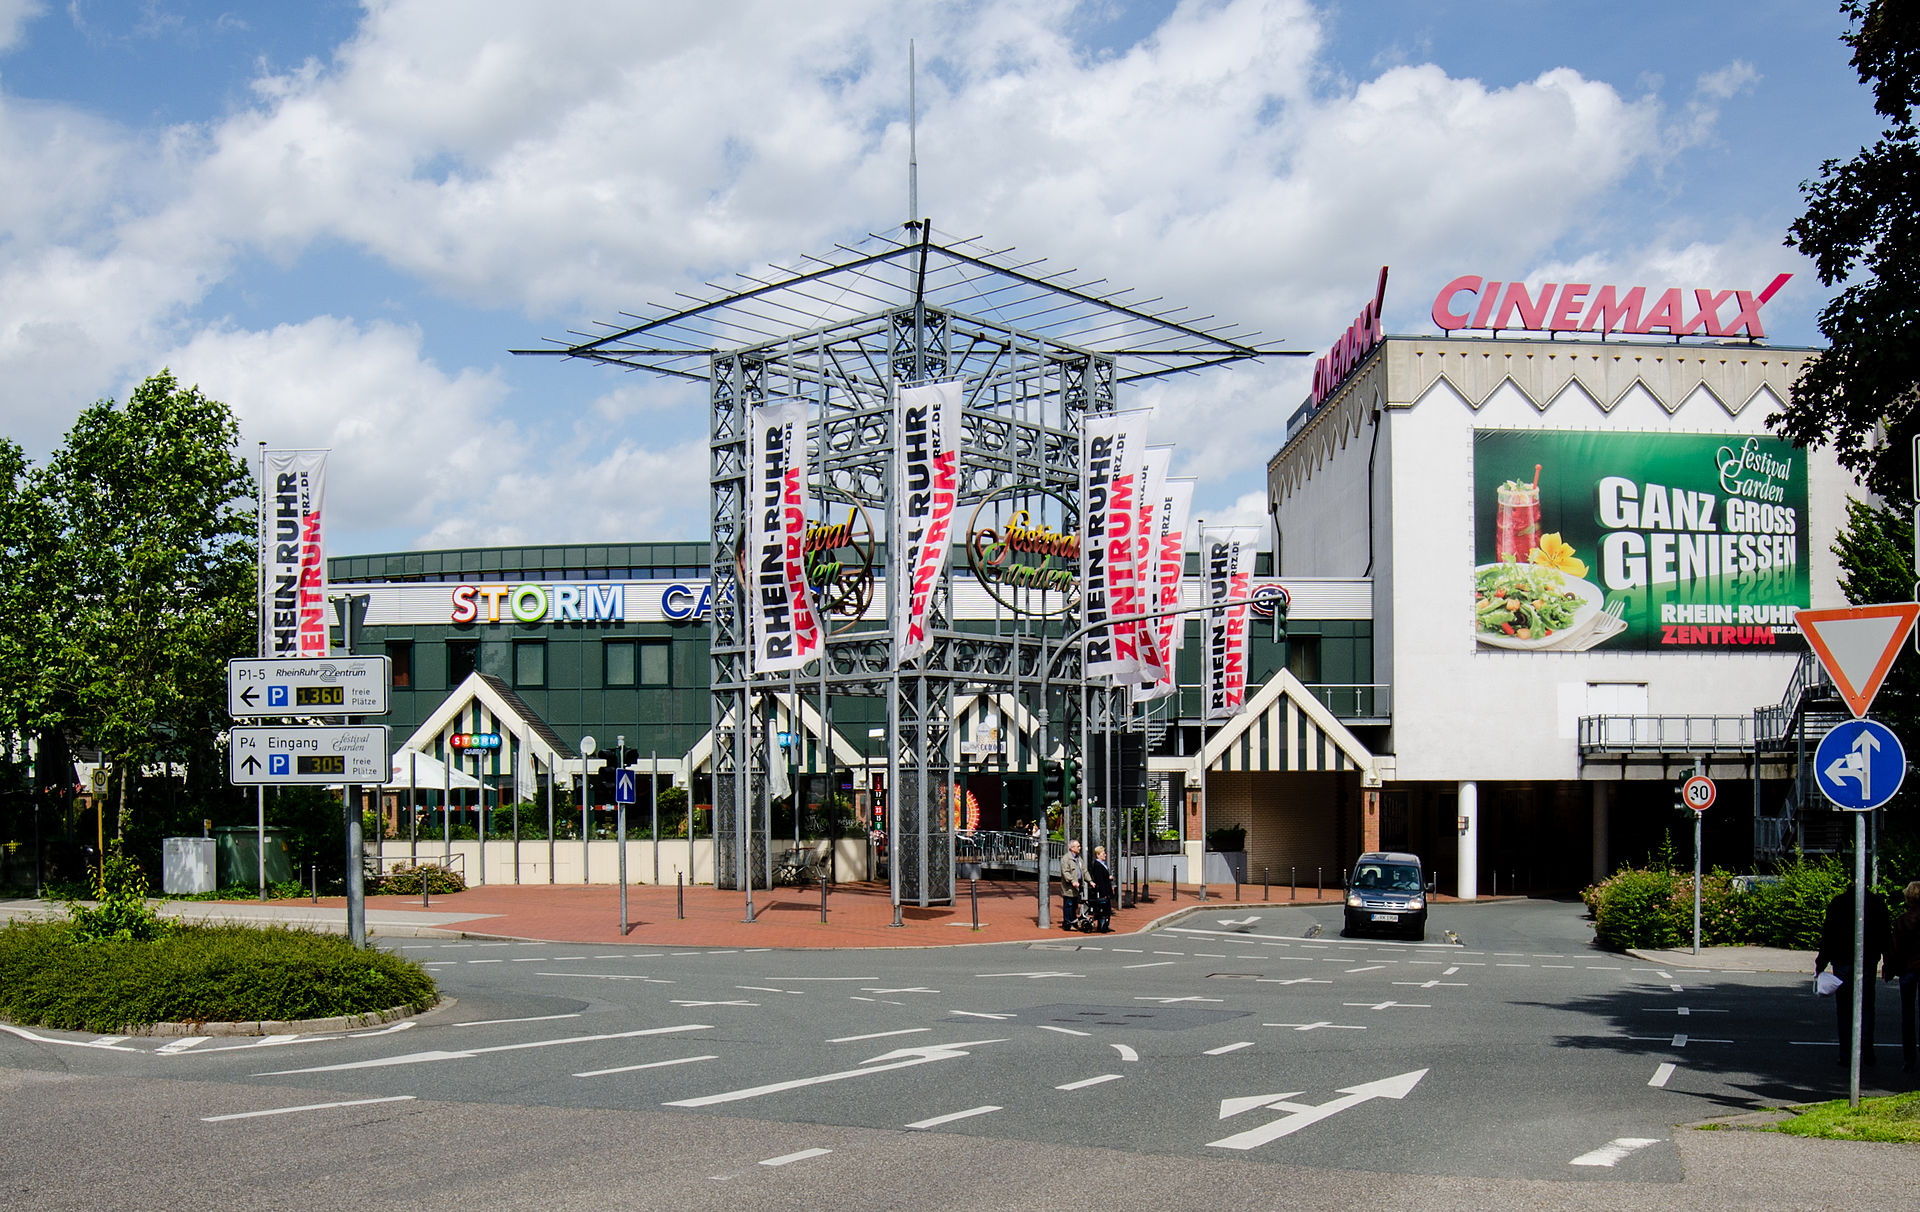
x,y
1073,871
1836,949
1903,964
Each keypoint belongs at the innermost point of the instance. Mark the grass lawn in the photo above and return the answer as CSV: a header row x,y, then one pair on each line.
x,y
1895,1118
50,978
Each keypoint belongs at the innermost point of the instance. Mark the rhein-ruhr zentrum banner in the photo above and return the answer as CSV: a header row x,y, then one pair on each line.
x,y
783,630
1646,542
1170,531
925,490
1114,471
1226,569
293,554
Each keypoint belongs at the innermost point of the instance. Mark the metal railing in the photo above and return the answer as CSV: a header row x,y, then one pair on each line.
x,y
1666,734
1354,700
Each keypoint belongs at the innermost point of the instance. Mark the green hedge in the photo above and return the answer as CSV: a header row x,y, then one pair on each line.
x,y
50,978
404,880
1652,907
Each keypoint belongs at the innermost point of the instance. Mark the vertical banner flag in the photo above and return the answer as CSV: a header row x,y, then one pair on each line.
x,y
784,631
293,557
926,482
1114,464
1147,565
1170,532
1226,564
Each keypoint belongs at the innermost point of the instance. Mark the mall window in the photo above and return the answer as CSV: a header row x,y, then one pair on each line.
x,y
1303,657
529,663
463,657
639,662
400,656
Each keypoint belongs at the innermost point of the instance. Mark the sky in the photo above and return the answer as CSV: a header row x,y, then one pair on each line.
x,y
339,218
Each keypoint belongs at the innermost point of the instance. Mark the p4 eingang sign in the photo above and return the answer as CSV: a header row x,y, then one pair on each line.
x,y
1647,542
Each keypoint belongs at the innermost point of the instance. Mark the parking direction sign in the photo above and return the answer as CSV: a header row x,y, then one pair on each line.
x,y
626,785
320,686
321,753
1859,765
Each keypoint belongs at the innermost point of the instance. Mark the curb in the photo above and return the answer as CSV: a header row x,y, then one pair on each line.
x,y
306,1026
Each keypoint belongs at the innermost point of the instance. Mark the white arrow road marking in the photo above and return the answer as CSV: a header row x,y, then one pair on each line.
x,y
984,1014
1661,1074
1239,924
1247,1102
358,1102
1610,1153
417,1058
1033,976
390,1029
1315,1026
950,1117
848,1039
900,1058
1168,1001
788,1158
665,1064
1299,1117
23,1033
1126,1053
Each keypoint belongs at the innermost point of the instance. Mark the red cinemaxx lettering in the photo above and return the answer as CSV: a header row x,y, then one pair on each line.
x,y
1353,346
1473,302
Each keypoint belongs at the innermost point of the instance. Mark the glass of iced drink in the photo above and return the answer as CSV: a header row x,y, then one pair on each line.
x,y
1517,519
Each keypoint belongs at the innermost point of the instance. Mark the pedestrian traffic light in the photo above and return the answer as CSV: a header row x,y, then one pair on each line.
x,y
1070,782
1054,781
1680,791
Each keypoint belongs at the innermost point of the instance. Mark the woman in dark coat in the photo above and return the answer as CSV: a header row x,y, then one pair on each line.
x,y
1903,964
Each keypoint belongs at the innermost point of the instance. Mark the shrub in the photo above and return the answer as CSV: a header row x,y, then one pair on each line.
x,y
1788,912
1636,907
404,880
121,911
1652,907
48,977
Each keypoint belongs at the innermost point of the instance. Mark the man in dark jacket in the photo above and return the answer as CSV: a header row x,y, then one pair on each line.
x,y
1903,964
1836,948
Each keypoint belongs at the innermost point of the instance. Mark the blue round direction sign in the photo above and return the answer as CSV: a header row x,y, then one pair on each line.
x,y
1860,765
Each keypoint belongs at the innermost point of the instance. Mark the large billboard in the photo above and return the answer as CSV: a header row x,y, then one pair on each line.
x,y
1649,542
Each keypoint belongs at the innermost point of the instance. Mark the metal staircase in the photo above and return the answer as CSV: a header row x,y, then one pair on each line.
x,y
1809,709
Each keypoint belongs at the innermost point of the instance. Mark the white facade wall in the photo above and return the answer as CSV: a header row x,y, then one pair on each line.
x,y
1462,712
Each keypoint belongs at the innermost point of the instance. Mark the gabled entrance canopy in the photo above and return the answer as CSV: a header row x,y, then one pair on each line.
x,y
1285,728
484,703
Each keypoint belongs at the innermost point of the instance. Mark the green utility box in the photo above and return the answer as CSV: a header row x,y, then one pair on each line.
x,y
239,856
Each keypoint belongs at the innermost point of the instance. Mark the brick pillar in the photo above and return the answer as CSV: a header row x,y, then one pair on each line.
x,y
1369,820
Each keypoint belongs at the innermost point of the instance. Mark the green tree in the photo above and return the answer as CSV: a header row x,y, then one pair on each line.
x,y
151,582
1859,228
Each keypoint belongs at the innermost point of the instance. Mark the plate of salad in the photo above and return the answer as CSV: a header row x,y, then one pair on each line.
x,y
1530,606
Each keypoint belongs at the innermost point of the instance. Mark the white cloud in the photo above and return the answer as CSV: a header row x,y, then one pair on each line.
x,y
14,15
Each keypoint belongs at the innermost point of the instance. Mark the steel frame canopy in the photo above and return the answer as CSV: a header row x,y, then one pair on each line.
x,y
1037,351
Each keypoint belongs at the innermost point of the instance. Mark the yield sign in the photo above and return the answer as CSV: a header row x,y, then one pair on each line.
x,y
1856,645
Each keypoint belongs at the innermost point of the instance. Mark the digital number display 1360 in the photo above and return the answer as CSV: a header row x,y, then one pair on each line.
x,y
319,696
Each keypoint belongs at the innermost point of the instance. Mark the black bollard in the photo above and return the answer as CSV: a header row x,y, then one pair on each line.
x,y
1293,883
1266,884
679,895
823,898
975,886
1319,883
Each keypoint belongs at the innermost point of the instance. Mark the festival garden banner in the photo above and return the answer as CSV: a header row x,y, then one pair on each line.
x,y
1651,542
926,487
783,630
293,557
1226,568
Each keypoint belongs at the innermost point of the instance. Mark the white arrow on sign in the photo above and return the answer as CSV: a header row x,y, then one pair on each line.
x,y
1856,764
1299,1116
899,1058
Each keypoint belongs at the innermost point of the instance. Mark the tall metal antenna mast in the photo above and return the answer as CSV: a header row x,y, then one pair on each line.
x,y
913,141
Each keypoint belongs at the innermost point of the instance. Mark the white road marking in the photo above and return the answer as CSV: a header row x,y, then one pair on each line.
x,y
855,997
1168,1001
1661,1074
358,1102
1315,1026
816,978
609,976
1035,976
1181,953
1064,1030
1209,955
180,1045
983,1014
1451,971
1126,1053
492,961
1665,976
1613,1151
416,1058
493,1022
848,1039
390,1029
1151,964
1223,1049
1680,1041
1372,968
679,1060
617,956
1130,950
766,989
909,989
950,1117
1433,984
692,1003
901,1058
1084,1082
1298,980
1300,1116
1390,1005
558,958
789,1158
23,1033
1603,967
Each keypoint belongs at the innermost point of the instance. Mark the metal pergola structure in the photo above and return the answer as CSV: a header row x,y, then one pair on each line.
x,y
1037,349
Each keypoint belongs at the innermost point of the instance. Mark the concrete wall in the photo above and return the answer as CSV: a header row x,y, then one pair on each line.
x,y
602,860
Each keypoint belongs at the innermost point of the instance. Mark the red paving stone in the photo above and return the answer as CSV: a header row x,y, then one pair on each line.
x,y
858,915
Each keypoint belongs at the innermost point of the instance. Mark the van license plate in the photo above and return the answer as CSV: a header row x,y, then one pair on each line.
x,y
1386,917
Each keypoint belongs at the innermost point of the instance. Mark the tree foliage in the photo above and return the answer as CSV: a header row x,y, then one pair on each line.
x,y
1862,228
147,578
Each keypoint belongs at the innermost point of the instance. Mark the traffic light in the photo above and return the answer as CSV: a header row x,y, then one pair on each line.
x,y
1054,781
1680,792
1070,783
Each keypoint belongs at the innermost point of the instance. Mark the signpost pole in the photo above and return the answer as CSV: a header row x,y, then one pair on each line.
x,y
620,826
1859,976
653,801
261,838
1697,817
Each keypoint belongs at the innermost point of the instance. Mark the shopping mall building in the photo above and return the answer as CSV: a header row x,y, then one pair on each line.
x,y
1533,575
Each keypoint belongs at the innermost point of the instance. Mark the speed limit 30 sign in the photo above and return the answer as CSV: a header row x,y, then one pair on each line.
x,y
1698,792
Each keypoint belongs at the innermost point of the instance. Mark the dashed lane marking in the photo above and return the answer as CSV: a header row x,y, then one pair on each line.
x,y
1084,1082
787,1159
1661,1074
1611,1153
1152,964
1323,1024
848,1039
1063,1030
358,1102
1223,1049
678,1060
952,1116
494,1022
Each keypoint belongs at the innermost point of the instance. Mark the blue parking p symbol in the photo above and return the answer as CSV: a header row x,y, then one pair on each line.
x,y
277,696
277,763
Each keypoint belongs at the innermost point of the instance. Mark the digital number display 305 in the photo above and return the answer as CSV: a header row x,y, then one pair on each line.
x,y
325,763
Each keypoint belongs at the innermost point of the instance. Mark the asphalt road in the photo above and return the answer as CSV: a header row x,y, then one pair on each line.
x,y
1199,1064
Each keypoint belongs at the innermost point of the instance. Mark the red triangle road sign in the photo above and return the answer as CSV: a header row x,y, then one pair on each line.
x,y
1856,645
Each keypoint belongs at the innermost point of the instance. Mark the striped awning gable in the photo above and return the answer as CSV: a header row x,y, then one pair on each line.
x,y
1020,748
1285,728
800,718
